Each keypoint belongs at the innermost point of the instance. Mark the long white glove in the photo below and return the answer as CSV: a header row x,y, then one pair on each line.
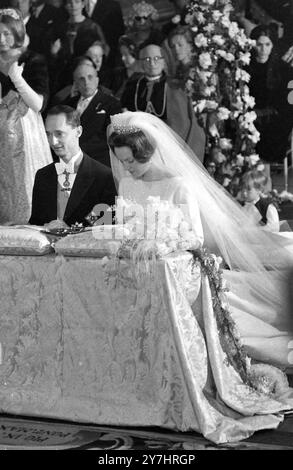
x,y
29,96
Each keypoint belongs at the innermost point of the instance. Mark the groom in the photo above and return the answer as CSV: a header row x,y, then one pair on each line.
x,y
65,193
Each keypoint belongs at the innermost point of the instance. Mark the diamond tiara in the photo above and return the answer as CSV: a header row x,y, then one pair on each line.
x,y
125,129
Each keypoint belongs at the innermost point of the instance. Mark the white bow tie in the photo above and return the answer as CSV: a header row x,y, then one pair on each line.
x,y
62,167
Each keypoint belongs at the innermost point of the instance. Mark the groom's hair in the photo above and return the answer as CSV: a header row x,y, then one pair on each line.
x,y
71,115
142,148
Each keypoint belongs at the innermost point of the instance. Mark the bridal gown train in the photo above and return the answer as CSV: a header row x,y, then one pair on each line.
x,y
225,407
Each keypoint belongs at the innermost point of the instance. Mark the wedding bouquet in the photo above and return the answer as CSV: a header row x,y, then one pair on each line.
x,y
155,229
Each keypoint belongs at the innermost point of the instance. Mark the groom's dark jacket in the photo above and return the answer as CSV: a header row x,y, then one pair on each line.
x,y
93,185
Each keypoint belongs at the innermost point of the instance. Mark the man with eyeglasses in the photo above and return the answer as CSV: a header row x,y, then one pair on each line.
x,y
153,92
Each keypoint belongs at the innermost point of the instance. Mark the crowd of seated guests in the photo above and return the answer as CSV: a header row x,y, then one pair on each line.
x,y
84,55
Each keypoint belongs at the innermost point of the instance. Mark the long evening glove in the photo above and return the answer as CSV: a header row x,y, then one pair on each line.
x,y
29,96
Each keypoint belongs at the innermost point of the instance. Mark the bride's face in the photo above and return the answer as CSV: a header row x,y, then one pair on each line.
x,y
135,168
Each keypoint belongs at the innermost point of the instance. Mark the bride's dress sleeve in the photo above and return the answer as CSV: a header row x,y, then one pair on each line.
x,y
188,203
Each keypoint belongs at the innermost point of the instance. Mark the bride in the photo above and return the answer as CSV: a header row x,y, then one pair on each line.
x,y
149,160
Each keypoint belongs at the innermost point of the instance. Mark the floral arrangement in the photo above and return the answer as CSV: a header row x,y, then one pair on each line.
x,y
141,9
157,229
229,336
217,85
264,378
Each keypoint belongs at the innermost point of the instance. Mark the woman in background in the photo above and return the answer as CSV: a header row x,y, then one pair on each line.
x,y
24,147
268,85
180,41
129,69
78,26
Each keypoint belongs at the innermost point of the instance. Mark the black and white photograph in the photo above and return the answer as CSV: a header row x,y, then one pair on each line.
x,y
146,229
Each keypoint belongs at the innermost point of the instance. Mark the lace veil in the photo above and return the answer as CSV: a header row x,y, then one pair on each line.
x,y
228,232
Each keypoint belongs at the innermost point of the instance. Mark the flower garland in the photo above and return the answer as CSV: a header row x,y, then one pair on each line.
x,y
264,378
229,336
217,85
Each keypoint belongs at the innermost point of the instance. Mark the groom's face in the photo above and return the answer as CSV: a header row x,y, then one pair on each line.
x,y
62,137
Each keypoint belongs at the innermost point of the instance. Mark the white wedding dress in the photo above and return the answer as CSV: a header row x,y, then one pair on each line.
x,y
227,409
230,398
264,330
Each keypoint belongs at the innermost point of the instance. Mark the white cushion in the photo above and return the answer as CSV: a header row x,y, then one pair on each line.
x,y
23,241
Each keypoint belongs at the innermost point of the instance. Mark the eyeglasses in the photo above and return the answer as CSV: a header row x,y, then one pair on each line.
x,y
148,60
140,18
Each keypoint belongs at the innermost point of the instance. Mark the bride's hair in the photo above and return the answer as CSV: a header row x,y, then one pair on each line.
x,y
141,147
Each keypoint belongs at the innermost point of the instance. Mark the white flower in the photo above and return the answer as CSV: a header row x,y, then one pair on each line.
x,y
223,113
244,57
218,39
254,136
242,40
235,114
204,75
225,144
200,40
233,29
209,90
242,75
260,167
200,106
209,28
249,100
221,53
250,116
239,160
238,104
253,159
227,8
205,60
210,104
194,29
230,57
200,18
225,21
176,19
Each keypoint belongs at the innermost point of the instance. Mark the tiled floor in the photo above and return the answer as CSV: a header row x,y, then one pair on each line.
x,y
39,434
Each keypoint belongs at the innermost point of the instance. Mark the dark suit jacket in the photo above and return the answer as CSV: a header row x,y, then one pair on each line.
x,y
108,14
93,185
94,121
45,29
